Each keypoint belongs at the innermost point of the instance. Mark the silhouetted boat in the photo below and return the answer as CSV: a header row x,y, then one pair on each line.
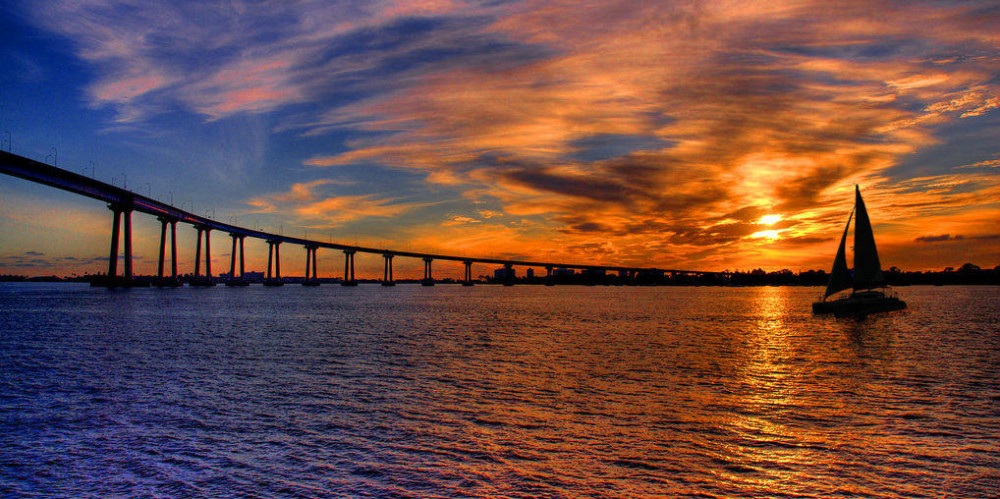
x,y
867,275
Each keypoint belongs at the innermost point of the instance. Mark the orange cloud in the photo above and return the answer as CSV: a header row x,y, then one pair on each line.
x,y
651,132
755,126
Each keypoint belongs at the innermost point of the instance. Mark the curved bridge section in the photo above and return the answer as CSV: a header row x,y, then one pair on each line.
x,y
123,202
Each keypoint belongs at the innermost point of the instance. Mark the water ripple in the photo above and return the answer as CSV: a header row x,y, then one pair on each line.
x,y
494,392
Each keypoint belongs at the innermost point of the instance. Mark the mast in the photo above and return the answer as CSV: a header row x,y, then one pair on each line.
x,y
867,270
840,277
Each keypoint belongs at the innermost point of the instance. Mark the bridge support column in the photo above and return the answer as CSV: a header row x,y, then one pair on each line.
x,y
197,254
128,242
115,229
428,280
467,278
349,269
311,265
508,274
163,247
237,246
549,279
161,280
208,254
242,255
387,272
273,262
232,258
198,279
120,210
270,258
173,249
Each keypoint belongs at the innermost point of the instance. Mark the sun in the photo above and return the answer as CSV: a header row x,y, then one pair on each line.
x,y
769,219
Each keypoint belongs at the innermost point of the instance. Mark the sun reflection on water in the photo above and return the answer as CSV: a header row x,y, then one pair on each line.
x,y
768,448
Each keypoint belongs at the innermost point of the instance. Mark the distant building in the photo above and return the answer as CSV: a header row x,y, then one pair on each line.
x,y
529,273
250,276
505,273
562,271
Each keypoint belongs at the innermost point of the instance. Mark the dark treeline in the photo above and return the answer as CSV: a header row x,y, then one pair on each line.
x,y
966,274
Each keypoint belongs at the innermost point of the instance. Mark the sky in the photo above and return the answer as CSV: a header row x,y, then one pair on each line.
x,y
697,135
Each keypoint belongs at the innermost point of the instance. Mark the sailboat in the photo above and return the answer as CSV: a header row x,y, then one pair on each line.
x,y
867,284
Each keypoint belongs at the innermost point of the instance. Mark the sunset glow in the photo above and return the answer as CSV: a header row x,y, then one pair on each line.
x,y
651,134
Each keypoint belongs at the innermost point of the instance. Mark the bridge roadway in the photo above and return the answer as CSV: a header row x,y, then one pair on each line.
x,y
120,199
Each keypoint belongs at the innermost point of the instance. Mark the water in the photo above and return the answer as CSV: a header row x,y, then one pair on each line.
x,y
494,392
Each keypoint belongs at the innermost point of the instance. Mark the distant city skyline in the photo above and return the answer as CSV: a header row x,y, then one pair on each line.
x,y
705,136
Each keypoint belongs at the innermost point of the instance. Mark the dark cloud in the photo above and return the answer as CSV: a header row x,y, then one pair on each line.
x,y
804,240
588,227
593,248
957,237
592,188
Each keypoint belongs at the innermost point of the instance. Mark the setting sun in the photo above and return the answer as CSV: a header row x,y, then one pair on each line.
x,y
769,219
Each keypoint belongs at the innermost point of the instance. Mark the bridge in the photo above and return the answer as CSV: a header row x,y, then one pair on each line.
x,y
123,202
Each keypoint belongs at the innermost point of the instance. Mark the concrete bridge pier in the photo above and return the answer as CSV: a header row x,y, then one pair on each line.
x,y
127,218
116,227
198,279
172,281
311,263
549,279
387,272
428,280
112,280
233,279
348,269
273,262
467,278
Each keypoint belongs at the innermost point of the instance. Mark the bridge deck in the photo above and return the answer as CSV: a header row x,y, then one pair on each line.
x,y
42,173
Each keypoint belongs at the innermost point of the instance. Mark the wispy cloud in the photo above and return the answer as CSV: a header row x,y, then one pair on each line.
x,y
666,127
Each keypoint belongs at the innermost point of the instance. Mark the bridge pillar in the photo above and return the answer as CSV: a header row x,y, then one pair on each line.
x,y
161,280
428,280
348,269
242,255
232,258
208,254
270,257
387,272
549,279
173,249
128,242
237,246
508,275
467,278
115,229
197,253
311,265
273,262
120,210
198,279
163,246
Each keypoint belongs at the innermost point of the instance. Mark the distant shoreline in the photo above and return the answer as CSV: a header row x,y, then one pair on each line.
x,y
967,274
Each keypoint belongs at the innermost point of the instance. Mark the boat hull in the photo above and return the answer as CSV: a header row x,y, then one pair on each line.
x,y
859,305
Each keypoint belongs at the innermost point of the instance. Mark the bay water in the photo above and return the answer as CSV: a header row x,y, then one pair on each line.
x,y
490,391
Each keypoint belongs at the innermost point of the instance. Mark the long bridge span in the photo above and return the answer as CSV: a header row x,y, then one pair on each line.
x,y
123,202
